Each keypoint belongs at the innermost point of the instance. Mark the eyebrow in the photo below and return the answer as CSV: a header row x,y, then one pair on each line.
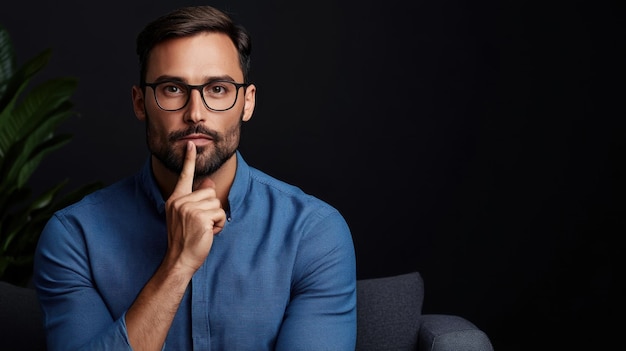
x,y
182,80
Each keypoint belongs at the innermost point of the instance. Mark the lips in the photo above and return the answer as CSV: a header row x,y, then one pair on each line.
x,y
198,139
197,134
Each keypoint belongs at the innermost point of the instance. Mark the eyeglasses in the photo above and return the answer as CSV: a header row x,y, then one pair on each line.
x,y
217,95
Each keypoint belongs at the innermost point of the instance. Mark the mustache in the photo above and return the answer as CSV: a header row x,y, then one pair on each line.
x,y
199,129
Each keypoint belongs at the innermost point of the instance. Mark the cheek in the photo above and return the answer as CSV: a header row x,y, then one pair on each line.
x,y
157,127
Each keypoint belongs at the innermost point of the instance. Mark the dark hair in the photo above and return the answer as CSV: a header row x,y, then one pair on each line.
x,y
188,21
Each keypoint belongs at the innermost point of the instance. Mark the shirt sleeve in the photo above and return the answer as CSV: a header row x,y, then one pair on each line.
x,y
75,316
322,312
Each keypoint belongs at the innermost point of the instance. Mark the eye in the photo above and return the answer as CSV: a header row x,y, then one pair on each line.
x,y
172,88
218,89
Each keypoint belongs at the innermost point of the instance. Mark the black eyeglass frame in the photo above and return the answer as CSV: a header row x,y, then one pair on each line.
x,y
199,88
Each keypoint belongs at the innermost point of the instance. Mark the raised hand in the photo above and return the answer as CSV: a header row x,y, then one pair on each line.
x,y
193,217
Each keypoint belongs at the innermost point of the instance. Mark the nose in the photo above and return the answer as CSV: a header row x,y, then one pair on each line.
x,y
195,107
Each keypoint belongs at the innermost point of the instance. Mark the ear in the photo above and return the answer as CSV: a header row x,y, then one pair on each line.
x,y
139,105
249,101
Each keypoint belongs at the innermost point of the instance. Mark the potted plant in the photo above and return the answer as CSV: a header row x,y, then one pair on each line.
x,y
28,121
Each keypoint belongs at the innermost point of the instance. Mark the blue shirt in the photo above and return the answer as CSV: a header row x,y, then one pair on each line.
x,y
281,275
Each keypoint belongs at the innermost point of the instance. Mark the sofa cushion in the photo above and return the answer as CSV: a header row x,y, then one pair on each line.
x,y
21,324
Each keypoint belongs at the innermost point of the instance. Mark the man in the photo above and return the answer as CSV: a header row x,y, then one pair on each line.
x,y
198,250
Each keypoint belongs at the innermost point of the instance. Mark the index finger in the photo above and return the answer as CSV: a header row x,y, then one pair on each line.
x,y
185,179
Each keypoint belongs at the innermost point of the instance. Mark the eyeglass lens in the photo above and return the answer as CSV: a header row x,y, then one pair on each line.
x,y
217,95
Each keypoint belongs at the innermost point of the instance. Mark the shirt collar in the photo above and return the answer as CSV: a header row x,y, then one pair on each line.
x,y
236,195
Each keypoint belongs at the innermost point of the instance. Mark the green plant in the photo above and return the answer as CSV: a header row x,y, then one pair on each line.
x,y
28,120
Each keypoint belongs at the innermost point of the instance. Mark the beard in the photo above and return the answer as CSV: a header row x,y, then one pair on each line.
x,y
207,162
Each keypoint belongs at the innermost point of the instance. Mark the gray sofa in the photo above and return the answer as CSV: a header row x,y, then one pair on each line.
x,y
389,317
21,325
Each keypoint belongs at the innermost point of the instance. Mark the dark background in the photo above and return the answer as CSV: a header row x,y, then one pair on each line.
x,y
482,143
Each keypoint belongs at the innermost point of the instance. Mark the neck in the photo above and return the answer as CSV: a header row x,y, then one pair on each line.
x,y
223,179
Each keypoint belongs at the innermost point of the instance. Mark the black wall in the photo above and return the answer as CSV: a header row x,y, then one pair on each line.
x,y
482,143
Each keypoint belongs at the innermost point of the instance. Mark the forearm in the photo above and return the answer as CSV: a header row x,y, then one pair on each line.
x,y
149,319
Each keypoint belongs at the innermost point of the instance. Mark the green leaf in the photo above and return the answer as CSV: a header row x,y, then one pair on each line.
x,y
7,60
28,123
37,156
46,198
19,81
11,196
42,110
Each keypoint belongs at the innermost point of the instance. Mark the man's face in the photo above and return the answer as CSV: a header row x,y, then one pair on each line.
x,y
194,60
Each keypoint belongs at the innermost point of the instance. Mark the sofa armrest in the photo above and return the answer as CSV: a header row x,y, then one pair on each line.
x,y
441,332
21,324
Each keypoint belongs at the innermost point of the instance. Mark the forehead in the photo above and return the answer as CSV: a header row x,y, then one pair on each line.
x,y
195,58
